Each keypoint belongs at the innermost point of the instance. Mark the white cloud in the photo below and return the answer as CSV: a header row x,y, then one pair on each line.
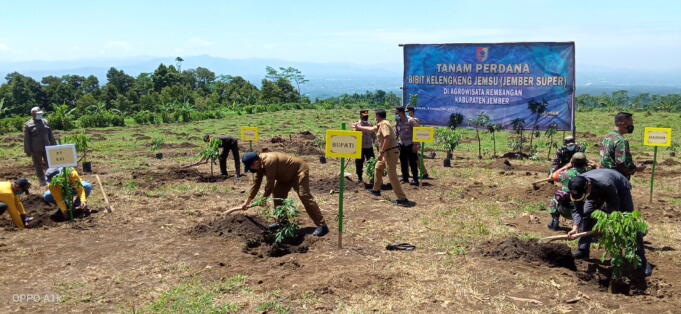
x,y
3,47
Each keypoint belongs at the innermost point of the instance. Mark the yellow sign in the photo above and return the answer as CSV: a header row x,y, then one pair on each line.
x,y
657,137
61,156
344,144
249,133
425,134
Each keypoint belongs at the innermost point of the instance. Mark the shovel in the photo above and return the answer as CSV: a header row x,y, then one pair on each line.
x,y
231,210
565,236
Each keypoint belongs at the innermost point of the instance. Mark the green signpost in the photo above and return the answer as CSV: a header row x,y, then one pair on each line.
x,y
344,144
656,137
423,135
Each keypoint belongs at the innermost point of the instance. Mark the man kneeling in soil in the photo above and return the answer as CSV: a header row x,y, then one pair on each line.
x,y
561,205
10,201
591,191
283,172
55,196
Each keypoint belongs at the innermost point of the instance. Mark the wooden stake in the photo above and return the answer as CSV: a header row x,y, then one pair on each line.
x,y
106,199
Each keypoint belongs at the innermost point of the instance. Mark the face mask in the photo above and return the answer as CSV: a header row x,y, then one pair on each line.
x,y
39,116
571,147
397,117
630,129
18,192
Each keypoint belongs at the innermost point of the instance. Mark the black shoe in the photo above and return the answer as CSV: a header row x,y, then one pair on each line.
x,y
239,175
426,177
404,181
415,183
273,226
404,202
555,224
647,269
374,192
581,254
320,231
26,220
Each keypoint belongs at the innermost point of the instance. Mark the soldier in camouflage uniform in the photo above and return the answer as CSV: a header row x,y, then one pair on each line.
x,y
564,153
561,205
615,152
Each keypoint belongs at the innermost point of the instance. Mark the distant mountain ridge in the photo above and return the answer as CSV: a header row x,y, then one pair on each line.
x,y
332,79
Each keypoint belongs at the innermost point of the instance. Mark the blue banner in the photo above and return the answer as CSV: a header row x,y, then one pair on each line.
x,y
533,82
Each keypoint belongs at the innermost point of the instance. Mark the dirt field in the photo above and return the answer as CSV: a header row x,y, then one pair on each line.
x,y
167,247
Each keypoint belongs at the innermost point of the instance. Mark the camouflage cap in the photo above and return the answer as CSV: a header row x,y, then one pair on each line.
x,y
579,157
569,139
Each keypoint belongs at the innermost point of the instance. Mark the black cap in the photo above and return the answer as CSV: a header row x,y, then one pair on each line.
x,y
577,187
364,112
248,160
206,137
411,108
399,109
23,184
51,172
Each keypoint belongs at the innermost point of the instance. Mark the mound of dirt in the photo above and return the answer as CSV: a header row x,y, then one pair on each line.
x,y
257,239
16,172
307,135
515,155
670,162
153,179
41,212
175,145
277,139
530,250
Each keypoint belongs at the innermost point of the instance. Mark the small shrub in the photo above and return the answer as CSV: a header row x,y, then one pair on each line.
x,y
618,237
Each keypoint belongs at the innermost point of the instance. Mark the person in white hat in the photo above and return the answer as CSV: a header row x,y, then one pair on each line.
x,y
37,135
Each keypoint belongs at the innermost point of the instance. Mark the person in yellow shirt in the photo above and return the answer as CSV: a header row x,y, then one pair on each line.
x,y
10,201
55,196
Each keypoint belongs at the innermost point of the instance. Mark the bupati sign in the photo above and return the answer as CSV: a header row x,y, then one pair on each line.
x,y
341,143
61,156
502,80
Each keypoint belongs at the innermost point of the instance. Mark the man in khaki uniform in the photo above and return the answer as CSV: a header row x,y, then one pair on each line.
x,y
37,135
283,173
388,154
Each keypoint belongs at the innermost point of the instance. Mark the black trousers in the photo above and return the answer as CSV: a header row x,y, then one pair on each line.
x,y
234,148
367,153
409,159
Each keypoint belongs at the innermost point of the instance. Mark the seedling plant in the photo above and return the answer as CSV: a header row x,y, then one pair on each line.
x,y
285,214
618,237
67,188
210,153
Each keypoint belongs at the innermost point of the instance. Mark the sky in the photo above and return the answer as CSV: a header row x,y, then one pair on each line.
x,y
642,35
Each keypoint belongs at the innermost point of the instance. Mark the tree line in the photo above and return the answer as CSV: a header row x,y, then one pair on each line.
x,y
168,94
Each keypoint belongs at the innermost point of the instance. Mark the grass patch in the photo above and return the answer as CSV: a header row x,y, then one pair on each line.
x,y
194,296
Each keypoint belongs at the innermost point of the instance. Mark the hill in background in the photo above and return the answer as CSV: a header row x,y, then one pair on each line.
x,y
333,79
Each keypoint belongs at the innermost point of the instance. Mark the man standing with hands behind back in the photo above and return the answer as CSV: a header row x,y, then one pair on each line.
x,y
37,135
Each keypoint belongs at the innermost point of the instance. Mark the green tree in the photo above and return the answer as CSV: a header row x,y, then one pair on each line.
x,y
480,121
538,108
493,128
518,126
